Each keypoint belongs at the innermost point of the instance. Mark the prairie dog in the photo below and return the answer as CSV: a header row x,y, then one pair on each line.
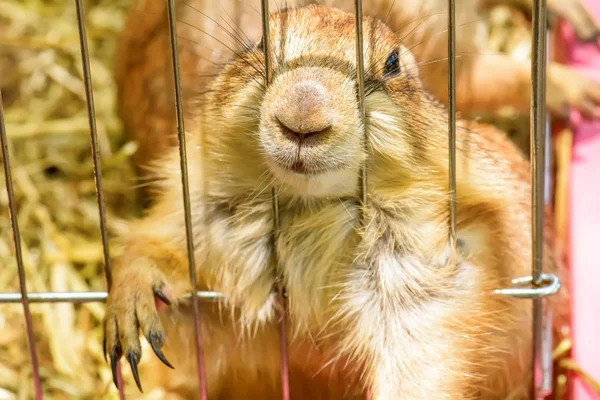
x,y
211,32
381,304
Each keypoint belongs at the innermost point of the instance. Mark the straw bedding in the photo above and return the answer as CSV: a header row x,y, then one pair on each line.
x,y
46,120
47,124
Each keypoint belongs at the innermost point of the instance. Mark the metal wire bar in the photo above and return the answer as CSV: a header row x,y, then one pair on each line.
x,y
360,80
548,179
452,118
285,379
12,209
360,77
546,348
537,127
186,195
82,297
545,361
538,130
266,40
548,162
89,94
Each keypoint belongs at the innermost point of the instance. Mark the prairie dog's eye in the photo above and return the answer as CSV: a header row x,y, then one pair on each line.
x,y
392,64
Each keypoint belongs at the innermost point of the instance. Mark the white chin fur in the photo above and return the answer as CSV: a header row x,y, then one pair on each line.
x,y
343,182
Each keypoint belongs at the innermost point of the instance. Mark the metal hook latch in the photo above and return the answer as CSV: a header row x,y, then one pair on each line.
x,y
550,284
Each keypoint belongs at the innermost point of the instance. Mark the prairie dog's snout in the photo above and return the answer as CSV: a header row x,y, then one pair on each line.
x,y
310,132
305,110
309,127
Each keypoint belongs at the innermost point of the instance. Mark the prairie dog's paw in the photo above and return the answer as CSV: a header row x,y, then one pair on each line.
x,y
567,87
573,11
138,292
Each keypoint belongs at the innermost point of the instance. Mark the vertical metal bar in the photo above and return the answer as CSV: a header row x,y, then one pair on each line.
x,y
548,136
452,118
186,196
266,40
537,127
87,78
12,209
285,380
360,77
546,345
546,348
360,80
548,164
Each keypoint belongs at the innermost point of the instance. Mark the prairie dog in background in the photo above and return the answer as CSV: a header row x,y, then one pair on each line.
x,y
382,304
211,32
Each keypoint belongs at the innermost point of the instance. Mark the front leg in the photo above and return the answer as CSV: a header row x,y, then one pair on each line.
x,y
426,328
151,293
568,87
233,257
402,329
492,81
150,275
572,11
486,82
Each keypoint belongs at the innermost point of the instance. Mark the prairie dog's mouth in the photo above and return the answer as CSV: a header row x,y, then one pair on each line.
x,y
309,130
327,181
305,167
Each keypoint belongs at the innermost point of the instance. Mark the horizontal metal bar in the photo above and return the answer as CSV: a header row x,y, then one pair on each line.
x,y
80,297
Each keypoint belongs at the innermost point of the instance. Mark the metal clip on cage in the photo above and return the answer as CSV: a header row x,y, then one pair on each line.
x,y
535,287
539,284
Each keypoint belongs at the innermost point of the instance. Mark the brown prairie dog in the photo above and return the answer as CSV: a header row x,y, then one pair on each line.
x,y
388,308
211,31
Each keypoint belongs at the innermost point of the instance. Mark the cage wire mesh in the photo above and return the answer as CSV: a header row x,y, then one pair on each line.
x,y
533,287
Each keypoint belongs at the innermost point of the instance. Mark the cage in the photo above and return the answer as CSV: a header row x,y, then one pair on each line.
x,y
534,287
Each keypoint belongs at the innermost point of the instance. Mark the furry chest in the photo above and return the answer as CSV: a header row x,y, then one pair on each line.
x,y
313,245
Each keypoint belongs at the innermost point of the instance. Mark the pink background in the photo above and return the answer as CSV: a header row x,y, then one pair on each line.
x,y
584,212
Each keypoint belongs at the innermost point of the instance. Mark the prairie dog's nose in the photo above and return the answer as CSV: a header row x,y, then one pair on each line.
x,y
305,109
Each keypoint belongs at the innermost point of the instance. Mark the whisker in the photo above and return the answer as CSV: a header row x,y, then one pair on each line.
x,y
238,55
250,76
238,39
387,16
382,58
234,23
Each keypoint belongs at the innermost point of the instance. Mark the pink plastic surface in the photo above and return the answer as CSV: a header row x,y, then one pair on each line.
x,y
584,214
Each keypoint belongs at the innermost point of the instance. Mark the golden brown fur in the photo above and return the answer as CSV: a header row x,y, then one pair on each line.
x,y
383,305
210,32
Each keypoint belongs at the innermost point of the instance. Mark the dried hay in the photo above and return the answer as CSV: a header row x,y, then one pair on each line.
x,y
46,120
47,124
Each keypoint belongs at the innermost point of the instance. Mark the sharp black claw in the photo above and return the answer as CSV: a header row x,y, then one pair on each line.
x,y
158,293
133,362
154,342
114,358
